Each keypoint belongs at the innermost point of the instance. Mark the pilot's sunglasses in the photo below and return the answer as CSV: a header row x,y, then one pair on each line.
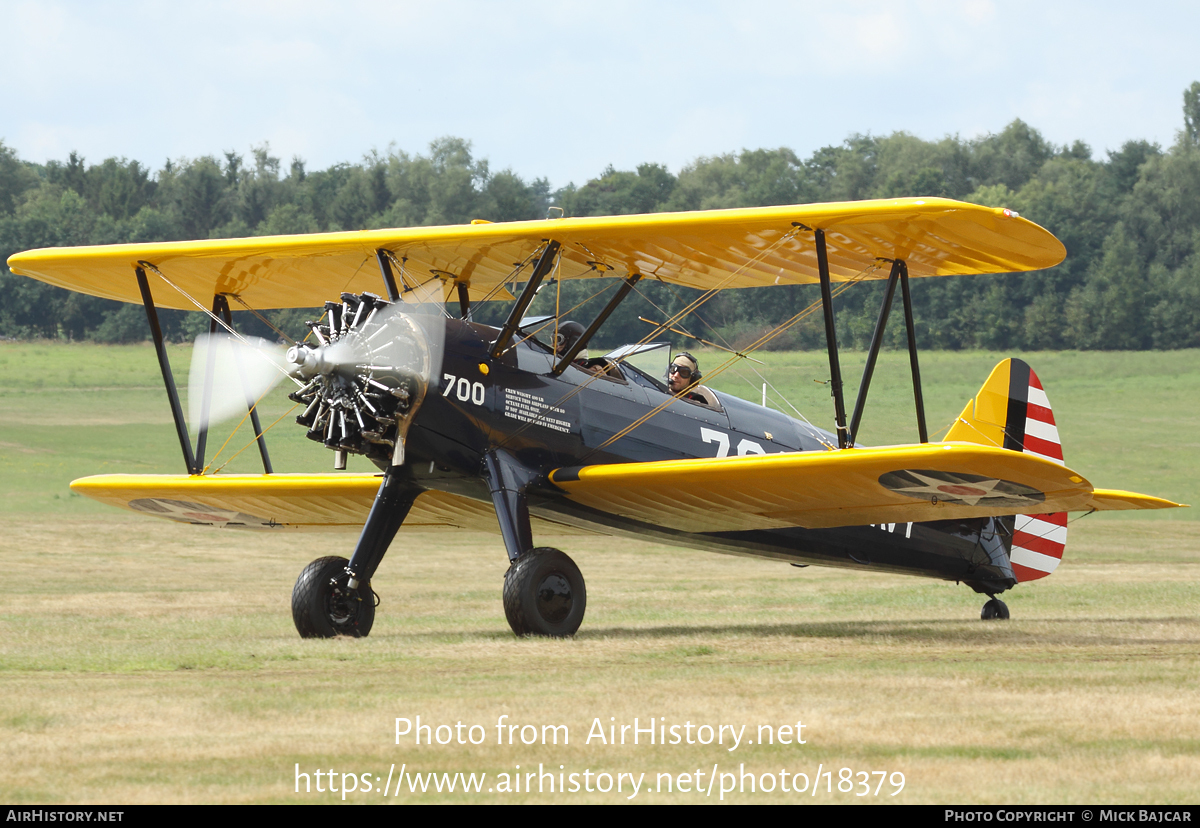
x,y
682,370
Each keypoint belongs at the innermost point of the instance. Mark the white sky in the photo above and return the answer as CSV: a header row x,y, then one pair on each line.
x,y
562,89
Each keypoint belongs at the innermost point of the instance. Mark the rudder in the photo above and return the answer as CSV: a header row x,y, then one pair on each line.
x,y
1012,411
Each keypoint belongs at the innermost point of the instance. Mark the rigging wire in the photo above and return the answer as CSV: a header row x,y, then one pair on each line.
x,y
252,442
546,323
705,297
219,321
758,343
814,432
234,431
259,316
512,277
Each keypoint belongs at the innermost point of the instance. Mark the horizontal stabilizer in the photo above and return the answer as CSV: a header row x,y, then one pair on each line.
x,y
1115,499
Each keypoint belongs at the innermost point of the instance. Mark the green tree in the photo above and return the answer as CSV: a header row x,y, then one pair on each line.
x,y
1191,113
287,219
118,188
16,178
1012,157
1109,311
200,195
1175,316
647,190
1124,167
751,178
1163,211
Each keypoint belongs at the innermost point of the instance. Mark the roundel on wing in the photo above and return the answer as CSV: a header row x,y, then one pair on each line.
x,y
960,489
184,511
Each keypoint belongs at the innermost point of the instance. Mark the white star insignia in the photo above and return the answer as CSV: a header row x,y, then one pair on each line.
x,y
959,489
968,493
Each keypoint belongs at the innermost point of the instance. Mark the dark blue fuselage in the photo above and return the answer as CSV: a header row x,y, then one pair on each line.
x,y
549,422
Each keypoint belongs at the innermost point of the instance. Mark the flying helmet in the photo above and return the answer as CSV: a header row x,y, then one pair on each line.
x,y
685,360
568,334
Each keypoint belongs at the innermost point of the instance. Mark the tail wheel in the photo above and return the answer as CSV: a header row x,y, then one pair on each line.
x,y
324,605
994,609
544,594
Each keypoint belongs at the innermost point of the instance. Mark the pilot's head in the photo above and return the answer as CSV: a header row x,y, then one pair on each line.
x,y
568,334
684,371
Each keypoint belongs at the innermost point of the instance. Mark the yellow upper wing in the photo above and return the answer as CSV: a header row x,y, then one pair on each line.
x,y
851,487
708,249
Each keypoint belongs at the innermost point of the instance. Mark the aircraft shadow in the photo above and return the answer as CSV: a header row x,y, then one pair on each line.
x,y
1074,631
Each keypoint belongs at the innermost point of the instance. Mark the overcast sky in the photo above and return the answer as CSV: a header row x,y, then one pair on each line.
x,y
562,89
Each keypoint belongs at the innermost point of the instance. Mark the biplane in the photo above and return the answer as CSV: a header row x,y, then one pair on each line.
x,y
511,428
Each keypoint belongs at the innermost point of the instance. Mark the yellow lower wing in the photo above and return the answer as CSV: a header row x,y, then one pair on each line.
x,y
313,502
851,487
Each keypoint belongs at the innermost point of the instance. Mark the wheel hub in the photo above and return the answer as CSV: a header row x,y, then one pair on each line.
x,y
554,598
343,603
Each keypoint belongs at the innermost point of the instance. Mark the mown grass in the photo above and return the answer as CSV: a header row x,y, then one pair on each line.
x,y
143,661
148,662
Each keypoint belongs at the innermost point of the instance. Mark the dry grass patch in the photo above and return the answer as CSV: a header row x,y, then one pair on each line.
x,y
149,662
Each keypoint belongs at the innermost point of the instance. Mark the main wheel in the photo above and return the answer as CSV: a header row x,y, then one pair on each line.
x,y
544,594
994,609
324,606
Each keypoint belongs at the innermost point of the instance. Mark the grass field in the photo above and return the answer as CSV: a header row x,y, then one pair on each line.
x,y
142,661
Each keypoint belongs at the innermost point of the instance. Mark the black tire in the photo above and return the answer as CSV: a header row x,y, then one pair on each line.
x,y
324,606
544,594
994,610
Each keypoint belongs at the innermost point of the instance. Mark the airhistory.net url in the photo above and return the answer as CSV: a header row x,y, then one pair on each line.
x,y
630,784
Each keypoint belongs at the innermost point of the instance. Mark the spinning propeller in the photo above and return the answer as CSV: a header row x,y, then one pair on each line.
x,y
361,382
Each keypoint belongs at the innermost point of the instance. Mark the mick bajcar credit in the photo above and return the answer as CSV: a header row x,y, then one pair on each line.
x,y
630,780
1075,814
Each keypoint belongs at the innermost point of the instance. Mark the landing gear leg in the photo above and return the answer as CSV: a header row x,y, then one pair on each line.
x,y
333,596
994,609
543,588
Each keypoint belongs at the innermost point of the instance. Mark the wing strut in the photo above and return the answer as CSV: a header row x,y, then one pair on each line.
x,y
195,461
185,442
909,328
873,354
582,342
899,274
385,270
835,366
209,370
251,404
544,263
464,300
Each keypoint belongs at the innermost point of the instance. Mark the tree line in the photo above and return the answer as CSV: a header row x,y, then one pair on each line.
x,y
1130,222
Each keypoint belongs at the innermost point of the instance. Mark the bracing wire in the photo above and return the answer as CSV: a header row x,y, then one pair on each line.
x,y
218,320
672,319
758,343
252,442
259,316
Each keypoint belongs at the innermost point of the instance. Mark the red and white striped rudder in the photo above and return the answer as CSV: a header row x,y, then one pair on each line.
x,y
1038,541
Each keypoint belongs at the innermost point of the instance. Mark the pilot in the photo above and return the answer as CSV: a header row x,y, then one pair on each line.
x,y
684,375
568,334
